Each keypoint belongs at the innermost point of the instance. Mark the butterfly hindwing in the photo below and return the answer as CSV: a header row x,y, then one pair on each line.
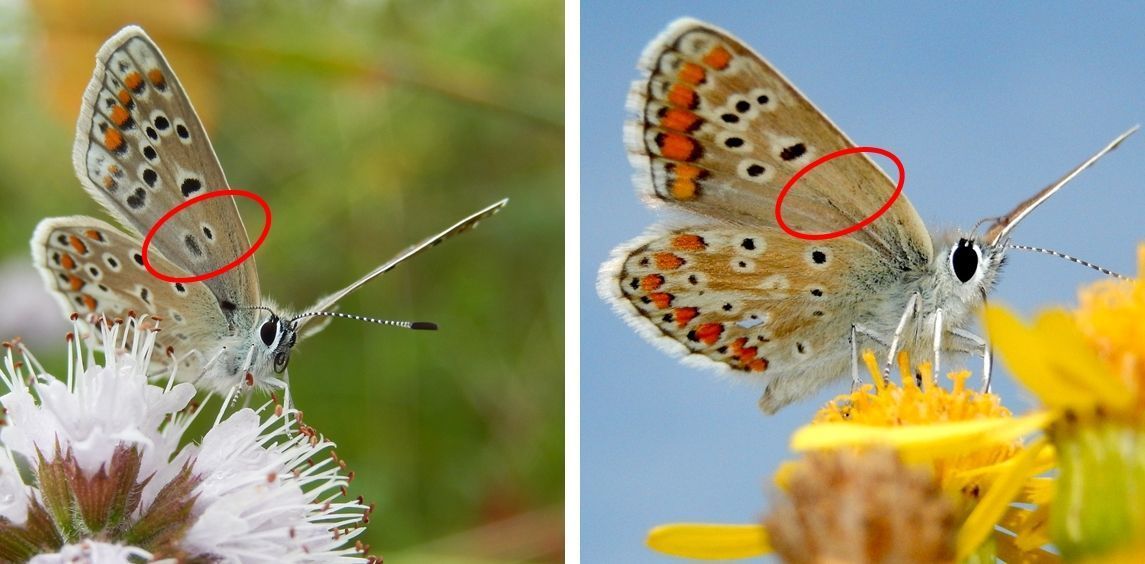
x,y
91,267
718,131
141,150
750,300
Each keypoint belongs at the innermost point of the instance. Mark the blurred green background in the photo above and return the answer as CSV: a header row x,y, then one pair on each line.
x,y
366,125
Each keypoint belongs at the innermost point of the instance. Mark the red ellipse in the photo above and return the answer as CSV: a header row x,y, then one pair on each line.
x,y
841,152
171,213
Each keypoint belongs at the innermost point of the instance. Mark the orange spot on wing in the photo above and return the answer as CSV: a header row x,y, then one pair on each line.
x,y
77,244
75,283
709,333
108,182
661,299
156,77
133,81
691,73
668,261
689,242
113,140
684,185
93,235
718,58
124,98
758,365
66,261
682,96
685,314
677,147
680,120
115,170
744,354
651,282
120,116
89,302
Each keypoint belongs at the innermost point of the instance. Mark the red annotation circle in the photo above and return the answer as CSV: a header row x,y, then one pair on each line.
x,y
865,222
175,210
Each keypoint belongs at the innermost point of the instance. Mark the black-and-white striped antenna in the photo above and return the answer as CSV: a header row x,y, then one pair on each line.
x,y
1072,259
418,325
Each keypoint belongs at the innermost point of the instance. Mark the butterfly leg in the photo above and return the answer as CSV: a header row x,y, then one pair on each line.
x,y
911,310
856,331
987,355
938,332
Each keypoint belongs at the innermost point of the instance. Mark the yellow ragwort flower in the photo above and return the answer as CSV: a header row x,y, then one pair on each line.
x,y
1088,369
965,441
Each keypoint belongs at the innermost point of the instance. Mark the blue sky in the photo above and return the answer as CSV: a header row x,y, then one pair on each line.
x,y
984,104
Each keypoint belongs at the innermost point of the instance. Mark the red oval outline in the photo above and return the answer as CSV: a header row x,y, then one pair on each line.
x,y
171,213
841,152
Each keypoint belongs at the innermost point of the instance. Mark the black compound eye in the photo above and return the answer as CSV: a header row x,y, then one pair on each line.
x,y
269,331
964,261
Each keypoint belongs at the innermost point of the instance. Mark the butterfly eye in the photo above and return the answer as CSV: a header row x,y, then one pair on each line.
x,y
964,261
269,331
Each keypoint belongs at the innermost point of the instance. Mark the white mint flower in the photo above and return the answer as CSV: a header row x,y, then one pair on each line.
x,y
109,483
91,552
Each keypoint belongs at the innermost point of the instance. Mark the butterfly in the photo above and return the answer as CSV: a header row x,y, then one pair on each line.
x,y
140,151
715,134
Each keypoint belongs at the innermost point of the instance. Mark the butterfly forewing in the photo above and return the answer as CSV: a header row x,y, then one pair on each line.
x,y
718,131
93,268
141,150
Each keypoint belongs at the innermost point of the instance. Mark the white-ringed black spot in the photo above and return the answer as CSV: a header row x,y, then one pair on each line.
x,y
137,199
743,106
800,347
150,153
817,292
151,133
818,256
138,259
730,118
755,170
180,288
64,277
112,262
210,235
742,264
102,288
181,131
727,307
94,271
733,142
145,296
693,280
748,243
62,239
150,177
192,245
161,123
793,152
762,99
190,186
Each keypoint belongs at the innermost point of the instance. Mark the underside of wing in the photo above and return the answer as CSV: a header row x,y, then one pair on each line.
x,y
717,131
91,267
752,300
141,150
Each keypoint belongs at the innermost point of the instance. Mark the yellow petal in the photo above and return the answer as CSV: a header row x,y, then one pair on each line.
x,y
1007,550
980,523
1027,356
1077,362
710,541
917,442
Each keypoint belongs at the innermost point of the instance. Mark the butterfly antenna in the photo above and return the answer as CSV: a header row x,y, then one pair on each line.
x,y
1074,260
420,325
